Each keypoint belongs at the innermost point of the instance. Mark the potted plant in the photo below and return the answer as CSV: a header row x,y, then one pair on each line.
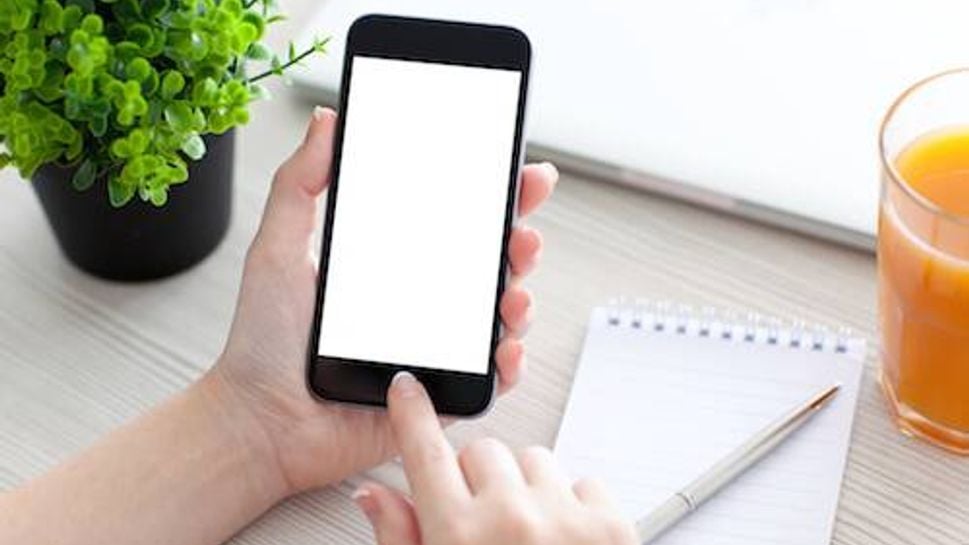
x,y
122,113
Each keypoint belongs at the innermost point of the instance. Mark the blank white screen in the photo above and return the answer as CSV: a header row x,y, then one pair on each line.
x,y
419,214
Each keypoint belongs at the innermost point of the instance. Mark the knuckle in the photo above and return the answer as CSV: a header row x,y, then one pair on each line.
x,y
489,444
481,448
578,527
255,255
479,451
522,523
537,452
581,530
283,173
535,457
261,254
465,456
457,532
431,454
587,484
580,485
617,530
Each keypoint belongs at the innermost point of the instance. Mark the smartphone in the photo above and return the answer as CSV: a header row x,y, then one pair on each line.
x,y
421,203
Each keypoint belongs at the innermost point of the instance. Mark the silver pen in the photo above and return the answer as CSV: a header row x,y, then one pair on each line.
x,y
739,460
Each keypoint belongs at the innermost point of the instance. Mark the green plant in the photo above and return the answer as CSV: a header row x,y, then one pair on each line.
x,y
124,90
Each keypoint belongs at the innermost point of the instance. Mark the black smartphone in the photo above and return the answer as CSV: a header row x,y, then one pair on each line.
x,y
421,204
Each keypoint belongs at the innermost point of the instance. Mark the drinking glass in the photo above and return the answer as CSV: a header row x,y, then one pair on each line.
x,y
923,267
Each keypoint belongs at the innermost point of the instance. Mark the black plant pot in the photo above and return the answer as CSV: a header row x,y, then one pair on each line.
x,y
140,241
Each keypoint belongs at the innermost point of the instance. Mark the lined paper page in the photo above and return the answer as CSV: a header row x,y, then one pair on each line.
x,y
652,410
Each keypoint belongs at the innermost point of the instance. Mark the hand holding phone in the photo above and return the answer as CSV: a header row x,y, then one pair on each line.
x,y
262,368
420,211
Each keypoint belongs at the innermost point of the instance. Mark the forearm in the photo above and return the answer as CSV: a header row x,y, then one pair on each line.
x,y
193,471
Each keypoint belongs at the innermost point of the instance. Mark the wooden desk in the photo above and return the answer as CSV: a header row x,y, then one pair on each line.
x,y
78,356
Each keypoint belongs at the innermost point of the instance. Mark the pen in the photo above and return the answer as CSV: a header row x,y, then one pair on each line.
x,y
739,460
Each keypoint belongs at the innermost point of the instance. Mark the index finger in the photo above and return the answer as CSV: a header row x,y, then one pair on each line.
x,y
431,466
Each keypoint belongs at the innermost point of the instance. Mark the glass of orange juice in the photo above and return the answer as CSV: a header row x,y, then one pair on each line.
x,y
923,259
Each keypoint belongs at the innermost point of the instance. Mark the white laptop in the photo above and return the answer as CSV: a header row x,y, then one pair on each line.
x,y
764,108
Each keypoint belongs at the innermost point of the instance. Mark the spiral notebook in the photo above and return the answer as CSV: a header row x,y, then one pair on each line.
x,y
660,395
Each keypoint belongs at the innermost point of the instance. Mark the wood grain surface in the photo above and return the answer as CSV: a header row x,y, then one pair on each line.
x,y
78,356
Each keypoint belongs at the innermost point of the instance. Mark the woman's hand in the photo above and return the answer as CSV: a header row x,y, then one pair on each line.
x,y
197,468
262,368
485,494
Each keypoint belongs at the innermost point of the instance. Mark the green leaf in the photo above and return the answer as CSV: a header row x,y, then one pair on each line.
x,y
99,126
126,51
258,24
259,52
154,8
205,92
158,195
129,87
194,147
51,17
179,172
86,5
138,69
75,147
259,92
319,44
92,24
127,11
179,116
172,83
140,34
150,84
157,46
73,16
198,47
119,193
84,175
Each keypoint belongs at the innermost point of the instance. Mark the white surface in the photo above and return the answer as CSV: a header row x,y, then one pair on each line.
x,y
777,103
420,212
679,403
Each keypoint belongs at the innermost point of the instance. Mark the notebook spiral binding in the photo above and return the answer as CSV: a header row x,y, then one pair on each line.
x,y
713,322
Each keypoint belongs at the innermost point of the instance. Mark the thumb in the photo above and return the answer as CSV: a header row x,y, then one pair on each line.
x,y
390,513
290,215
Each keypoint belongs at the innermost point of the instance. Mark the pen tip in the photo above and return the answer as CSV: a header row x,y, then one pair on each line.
x,y
827,394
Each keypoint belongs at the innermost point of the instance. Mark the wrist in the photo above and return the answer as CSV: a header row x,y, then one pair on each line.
x,y
244,432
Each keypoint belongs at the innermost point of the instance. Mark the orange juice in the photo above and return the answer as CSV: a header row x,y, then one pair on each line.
x,y
923,268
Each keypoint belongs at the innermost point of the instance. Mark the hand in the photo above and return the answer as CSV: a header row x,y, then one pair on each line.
x,y
485,494
262,369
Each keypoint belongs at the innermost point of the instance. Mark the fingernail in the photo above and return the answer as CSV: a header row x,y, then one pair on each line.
x,y
552,170
406,385
531,234
318,113
366,501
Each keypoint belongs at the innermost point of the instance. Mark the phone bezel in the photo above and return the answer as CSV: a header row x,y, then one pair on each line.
x,y
365,382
